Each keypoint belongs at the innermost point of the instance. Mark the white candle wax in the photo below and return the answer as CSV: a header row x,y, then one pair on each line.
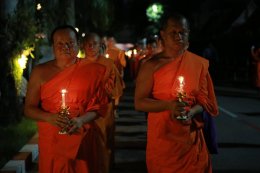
x,y
63,101
181,82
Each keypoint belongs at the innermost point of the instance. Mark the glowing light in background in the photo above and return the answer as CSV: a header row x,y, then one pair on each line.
x,y
81,54
22,61
154,12
39,6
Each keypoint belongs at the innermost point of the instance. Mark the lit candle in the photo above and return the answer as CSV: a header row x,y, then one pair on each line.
x,y
181,82
63,102
107,55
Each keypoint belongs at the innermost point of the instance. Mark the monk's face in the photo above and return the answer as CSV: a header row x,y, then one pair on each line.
x,y
175,35
92,46
65,44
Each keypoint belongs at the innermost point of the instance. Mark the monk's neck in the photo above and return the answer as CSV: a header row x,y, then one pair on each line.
x,y
92,58
62,64
172,54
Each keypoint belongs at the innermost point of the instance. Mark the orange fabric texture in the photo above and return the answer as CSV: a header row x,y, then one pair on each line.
x,y
65,153
106,124
173,146
117,56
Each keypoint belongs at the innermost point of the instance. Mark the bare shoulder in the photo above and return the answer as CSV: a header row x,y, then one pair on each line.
x,y
155,62
42,72
42,68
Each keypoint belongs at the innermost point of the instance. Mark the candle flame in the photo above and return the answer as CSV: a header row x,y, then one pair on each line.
x,y
107,55
63,91
181,79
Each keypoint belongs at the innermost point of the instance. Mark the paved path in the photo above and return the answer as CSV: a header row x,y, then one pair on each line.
x,y
130,136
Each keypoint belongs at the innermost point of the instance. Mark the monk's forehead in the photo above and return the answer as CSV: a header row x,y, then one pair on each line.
x,y
92,37
177,23
64,34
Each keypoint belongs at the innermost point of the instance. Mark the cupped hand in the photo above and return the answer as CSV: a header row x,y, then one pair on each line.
x,y
77,123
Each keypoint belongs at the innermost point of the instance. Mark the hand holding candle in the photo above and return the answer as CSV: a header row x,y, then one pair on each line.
x,y
64,112
181,95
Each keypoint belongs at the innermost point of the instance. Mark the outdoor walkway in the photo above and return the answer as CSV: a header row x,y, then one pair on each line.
x,y
130,142
130,137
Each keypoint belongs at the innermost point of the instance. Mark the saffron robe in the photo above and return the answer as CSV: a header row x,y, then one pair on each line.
x,y
114,88
174,146
117,56
70,153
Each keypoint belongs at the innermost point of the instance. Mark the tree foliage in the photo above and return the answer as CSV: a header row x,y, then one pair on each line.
x,y
17,33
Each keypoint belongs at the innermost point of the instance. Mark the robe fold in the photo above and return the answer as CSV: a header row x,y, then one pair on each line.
x,y
172,146
85,92
113,88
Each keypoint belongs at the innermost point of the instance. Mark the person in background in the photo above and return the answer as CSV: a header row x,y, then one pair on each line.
x,y
118,56
175,87
255,53
66,84
93,54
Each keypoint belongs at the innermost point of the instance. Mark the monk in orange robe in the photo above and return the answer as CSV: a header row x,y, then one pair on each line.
x,y
175,141
118,56
114,88
85,100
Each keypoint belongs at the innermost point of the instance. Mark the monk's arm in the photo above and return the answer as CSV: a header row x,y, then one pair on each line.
x,y
143,90
32,100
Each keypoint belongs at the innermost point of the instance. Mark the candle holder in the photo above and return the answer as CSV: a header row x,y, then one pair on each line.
x,y
64,113
181,94
180,97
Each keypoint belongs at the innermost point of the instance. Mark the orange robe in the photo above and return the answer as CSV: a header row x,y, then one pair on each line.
x,y
71,153
111,83
173,147
118,56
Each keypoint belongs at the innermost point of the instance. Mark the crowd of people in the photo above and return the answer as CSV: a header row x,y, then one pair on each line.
x,y
88,91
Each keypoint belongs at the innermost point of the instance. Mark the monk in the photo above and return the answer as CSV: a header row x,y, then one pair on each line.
x,y
114,88
118,56
175,88
83,97
255,52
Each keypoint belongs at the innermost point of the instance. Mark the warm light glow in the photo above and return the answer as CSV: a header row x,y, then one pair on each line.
x,y
63,101
107,55
135,52
39,6
22,61
129,53
181,79
81,54
181,83
63,91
